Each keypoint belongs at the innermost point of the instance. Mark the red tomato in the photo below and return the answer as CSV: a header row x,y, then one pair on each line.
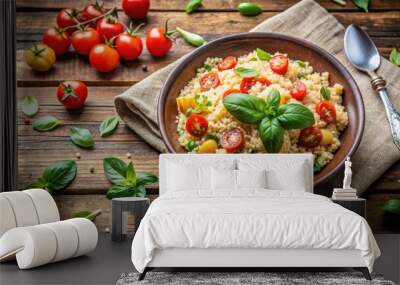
x,y
279,64
228,62
208,81
157,42
310,137
92,11
68,17
128,46
104,58
327,111
136,9
72,94
232,140
196,125
84,40
57,39
299,91
109,27
230,91
249,82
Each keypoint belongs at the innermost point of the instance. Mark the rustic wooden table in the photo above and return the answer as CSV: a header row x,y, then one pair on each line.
x,y
215,19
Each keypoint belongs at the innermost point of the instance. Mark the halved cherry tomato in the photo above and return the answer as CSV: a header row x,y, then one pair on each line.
x,y
92,11
72,94
158,42
249,82
84,40
232,140
327,111
109,27
104,58
129,46
310,137
196,125
68,17
299,91
230,91
279,64
208,81
57,39
228,62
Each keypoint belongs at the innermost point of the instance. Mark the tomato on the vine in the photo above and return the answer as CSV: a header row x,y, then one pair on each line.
x,y
158,42
136,9
72,94
92,11
68,17
109,27
129,45
104,58
84,40
57,39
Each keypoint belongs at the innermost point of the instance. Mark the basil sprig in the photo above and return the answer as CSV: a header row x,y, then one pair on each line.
x,y
126,183
81,137
271,118
56,176
246,72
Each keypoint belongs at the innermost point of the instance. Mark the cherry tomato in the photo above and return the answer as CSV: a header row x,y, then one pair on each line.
x,y
84,40
249,82
57,39
208,81
68,17
136,9
310,137
40,57
92,11
228,62
72,94
299,91
230,91
109,27
128,46
104,58
232,140
327,111
279,64
157,42
196,125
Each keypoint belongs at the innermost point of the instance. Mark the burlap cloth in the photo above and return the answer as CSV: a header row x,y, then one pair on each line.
x,y
138,105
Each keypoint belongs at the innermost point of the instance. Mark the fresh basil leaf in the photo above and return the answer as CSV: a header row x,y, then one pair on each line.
x,y
300,63
115,170
271,134
191,38
247,109
319,163
191,145
87,214
146,178
193,5
363,4
130,174
246,72
30,105
249,9
108,126
392,206
45,123
273,100
340,2
116,191
207,67
295,116
325,93
395,57
140,191
81,137
263,55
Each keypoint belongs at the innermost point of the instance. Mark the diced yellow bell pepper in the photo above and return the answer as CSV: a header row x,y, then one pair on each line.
x,y
285,98
185,103
327,137
209,146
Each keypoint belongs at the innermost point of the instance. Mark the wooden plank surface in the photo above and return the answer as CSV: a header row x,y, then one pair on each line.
x,y
215,19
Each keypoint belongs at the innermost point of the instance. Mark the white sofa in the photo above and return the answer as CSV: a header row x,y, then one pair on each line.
x,y
31,231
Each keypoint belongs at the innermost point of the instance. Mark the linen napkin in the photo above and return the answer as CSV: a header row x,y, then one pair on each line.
x,y
308,20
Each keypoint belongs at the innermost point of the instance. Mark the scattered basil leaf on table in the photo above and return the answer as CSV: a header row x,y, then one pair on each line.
x,y
263,55
45,123
246,72
249,9
246,108
146,178
363,4
116,191
56,176
191,38
30,105
395,57
81,137
87,214
392,206
193,5
115,169
340,2
108,126
130,175
325,93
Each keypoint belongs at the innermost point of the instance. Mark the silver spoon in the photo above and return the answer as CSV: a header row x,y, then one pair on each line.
x,y
363,54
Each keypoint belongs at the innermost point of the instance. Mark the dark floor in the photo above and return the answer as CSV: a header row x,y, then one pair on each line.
x,y
103,266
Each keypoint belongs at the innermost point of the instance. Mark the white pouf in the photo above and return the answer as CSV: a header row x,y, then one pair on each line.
x,y
7,220
45,205
23,208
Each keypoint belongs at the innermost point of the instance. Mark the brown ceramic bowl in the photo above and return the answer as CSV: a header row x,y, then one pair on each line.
x,y
240,44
